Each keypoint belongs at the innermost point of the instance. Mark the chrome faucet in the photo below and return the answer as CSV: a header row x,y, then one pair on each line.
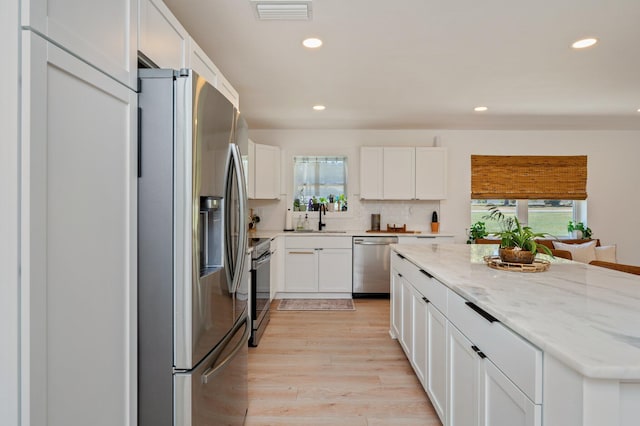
x,y
320,209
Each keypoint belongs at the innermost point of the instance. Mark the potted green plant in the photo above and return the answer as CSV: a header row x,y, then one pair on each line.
x,y
342,200
477,230
579,230
517,242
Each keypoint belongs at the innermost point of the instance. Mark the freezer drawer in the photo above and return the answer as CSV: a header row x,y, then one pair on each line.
x,y
215,393
371,265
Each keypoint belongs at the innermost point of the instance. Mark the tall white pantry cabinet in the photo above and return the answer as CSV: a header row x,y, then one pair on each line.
x,y
77,203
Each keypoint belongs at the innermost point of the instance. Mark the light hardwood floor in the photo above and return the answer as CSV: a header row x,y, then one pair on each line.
x,y
334,368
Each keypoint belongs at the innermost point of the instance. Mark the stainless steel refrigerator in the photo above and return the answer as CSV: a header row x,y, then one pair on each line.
x,y
193,324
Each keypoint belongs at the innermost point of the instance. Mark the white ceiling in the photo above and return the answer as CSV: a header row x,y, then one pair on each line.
x,y
425,64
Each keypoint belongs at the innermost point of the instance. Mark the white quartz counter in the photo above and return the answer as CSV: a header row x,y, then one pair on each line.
x,y
349,233
585,316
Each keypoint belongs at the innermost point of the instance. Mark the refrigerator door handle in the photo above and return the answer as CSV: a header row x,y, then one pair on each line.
x,y
211,372
242,203
235,265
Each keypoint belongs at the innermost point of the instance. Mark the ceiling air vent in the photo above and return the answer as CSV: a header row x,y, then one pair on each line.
x,y
282,10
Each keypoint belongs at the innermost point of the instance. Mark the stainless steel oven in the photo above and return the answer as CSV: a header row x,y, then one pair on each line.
x,y
260,287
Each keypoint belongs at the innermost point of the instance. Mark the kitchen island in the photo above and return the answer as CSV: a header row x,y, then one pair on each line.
x,y
562,345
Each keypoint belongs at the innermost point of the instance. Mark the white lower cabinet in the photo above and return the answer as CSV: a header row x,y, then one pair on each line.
x,y
436,383
301,270
464,379
475,371
420,335
318,265
334,270
396,304
407,317
502,403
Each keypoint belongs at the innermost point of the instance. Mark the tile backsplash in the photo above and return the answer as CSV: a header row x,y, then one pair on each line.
x,y
415,214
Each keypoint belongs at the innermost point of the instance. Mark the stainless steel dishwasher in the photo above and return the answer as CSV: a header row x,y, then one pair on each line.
x,y
371,266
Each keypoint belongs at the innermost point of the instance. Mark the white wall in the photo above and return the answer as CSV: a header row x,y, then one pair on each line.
x,y
9,224
612,168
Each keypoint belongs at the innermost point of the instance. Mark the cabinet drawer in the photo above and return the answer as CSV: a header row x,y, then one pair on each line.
x,y
422,281
318,242
429,287
520,361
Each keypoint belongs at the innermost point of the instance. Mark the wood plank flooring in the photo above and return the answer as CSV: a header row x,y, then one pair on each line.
x,y
334,368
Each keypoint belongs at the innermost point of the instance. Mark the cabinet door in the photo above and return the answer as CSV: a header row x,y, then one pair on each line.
x,y
161,37
267,172
103,33
200,63
228,91
371,168
502,403
301,270
464,380
334,270
79,212
398,173
437,360
407,318
420,331
431,173
396,304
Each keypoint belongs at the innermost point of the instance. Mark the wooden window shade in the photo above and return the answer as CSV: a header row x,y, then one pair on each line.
x,y
529,177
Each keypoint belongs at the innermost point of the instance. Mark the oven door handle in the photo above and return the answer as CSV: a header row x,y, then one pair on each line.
x,y
263,260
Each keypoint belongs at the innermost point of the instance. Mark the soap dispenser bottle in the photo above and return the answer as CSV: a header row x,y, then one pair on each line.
x,y
306,222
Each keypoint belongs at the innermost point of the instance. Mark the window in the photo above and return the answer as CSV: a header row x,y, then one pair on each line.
x,y
521,185
549,216
321,179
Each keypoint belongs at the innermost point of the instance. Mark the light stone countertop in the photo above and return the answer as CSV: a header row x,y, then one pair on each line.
x,y
585,316
335,233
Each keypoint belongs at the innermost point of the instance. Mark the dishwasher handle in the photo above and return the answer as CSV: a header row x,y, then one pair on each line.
x,y
363,243
374,241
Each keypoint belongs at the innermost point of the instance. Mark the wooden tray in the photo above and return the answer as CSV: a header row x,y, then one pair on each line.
x,y
538,265
396,230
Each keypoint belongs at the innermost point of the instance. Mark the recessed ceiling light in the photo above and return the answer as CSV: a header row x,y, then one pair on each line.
x,y
585,42
480,108
319,107
312,43
638,109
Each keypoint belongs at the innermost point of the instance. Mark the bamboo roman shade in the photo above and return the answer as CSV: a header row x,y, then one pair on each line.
x,y
529,177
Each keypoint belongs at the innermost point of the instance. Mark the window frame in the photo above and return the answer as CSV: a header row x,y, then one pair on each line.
x,y
579,213
317,184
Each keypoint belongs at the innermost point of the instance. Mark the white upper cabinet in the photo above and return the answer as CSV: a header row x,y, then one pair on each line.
x,y
102,33
398,174
204,66
228,91
371,160
161,38
200,63
403,173
431,173
267,171
262,171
